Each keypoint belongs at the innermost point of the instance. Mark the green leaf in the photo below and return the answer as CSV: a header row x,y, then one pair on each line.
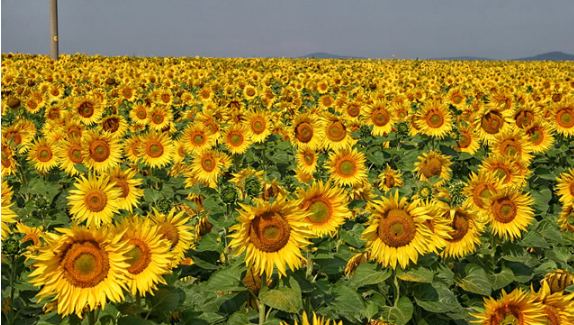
x,y
165,300
436,298
238,318
133,320
353,236
227,279
282,298
476,280
415,274
502,279
545,173
151,195
368,274
400,314
81,168
534,239
346,300
541,198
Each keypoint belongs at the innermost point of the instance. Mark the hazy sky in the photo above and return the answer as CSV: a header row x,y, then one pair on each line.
x,y
498,29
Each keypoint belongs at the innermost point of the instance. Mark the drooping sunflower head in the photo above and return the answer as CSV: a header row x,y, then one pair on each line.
x,y
432,164
347,167
272,235
115,125
125,181
396,232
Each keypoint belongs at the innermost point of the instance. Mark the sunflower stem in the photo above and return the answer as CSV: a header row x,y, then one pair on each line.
x,y
397,292
309,265
260,302
12,288
91,317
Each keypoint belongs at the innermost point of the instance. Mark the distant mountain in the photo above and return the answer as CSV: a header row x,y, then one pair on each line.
x,y
550,56
323,55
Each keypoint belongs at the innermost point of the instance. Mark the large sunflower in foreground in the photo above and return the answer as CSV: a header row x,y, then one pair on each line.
x,y
516,307
509,212
272,236
94,200
148,257
396,232
347,167
82,268
557,308
327,207
174,228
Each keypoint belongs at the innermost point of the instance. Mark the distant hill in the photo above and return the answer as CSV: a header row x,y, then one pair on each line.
x,y
323,55
550,56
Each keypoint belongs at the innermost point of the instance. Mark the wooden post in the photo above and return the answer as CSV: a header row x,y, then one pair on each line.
x,y
54,30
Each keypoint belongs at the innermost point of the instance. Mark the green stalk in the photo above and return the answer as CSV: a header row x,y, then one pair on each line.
x,y
12,289
397,291
260,303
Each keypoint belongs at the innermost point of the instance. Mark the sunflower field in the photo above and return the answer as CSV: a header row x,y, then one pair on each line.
x,y
286,191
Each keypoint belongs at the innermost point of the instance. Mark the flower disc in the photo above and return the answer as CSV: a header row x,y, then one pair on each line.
x,y
85,264
269,232
396,228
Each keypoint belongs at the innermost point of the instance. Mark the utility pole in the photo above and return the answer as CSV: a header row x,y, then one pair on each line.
x,y
54,53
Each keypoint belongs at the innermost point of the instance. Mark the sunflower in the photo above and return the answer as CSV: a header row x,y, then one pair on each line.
x,y
465,234
380,117
509,212
42,155
82,268
566,217
307,160
326,205
434,119
156,149
396,232
206,167
273,190
101,151
565,186
8,215
70,152
468,141
504,169
94,200
558,280
130,193
512,144
32,105
481,187
131,148
525,116
9,163
18,136
347,167
438,224
139,113
563,118
115,125
557,307
517,307
87,109
389,179
258,125
175,229
272,235
336,135
307,131
491,120
160,117
237,139
456,97
249,92
540,134
148,258
197,138
315,320
432,164
33,234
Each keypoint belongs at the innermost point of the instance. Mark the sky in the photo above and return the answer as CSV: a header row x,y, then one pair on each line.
x,y
408,29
